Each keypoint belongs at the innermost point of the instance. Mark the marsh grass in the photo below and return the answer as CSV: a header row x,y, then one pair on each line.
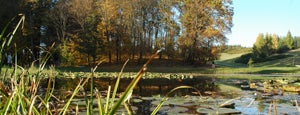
x,y
6,39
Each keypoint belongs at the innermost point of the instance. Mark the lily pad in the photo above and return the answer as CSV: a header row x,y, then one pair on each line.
x,y
205,111
173,101
291,88
217,111
137,100
148,98
177,110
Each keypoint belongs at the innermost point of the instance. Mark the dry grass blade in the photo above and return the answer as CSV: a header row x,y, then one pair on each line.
x,y
45,58
226,102
3,90
8,104
31,107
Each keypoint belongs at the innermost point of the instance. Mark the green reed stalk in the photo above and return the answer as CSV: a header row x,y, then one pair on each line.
x,y
128,108
117,84
90,107
78,87
100,107
107,100
167,97
6,42
132,84
90,101
8,104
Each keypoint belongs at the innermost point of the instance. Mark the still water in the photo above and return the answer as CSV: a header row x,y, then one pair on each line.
x,y
149,92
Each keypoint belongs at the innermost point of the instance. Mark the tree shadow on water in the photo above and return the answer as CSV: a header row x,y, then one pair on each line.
x,y
276,71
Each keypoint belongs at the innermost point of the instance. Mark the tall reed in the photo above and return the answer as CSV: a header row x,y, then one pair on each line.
x,y
6,39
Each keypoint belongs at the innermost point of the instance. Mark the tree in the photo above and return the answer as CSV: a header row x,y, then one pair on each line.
x,y
204,24
250,63
35,31
268,47
258,48
260,42
275,43
88,30
296,42
289,40
59,20
106,27
84,17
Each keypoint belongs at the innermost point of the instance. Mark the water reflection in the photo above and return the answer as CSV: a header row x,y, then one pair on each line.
x,y
261,105
146,87
249,103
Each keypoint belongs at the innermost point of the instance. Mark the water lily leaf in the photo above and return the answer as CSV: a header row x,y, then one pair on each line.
x,y
217,111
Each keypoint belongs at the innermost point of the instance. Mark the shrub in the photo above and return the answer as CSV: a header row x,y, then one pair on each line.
x,y
244,58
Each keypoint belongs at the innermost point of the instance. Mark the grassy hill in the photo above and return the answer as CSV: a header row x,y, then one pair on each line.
x,y
291,59
227,60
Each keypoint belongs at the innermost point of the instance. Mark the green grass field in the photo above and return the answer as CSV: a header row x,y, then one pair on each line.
x,y
225,65
293,60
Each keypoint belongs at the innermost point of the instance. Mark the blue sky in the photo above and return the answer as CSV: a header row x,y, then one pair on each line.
x,y
252,17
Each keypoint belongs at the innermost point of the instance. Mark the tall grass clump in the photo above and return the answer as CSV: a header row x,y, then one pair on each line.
x,y
6,39
18,90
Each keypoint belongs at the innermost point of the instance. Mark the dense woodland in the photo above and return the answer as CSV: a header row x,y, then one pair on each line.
x,y
87,31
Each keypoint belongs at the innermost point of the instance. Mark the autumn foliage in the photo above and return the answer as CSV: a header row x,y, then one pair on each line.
x,y
87,31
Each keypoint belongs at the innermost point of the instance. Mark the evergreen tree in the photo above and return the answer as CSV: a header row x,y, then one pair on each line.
x,y
258,47
275,43
268,50
289,40
297,42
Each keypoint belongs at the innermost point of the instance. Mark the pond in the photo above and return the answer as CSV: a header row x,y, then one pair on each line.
x,y
220,96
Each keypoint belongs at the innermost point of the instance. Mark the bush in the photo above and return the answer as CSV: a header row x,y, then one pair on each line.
x,y
244,58
280,56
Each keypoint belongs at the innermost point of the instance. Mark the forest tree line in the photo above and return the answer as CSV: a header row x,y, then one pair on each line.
x,y
266,45
87,31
